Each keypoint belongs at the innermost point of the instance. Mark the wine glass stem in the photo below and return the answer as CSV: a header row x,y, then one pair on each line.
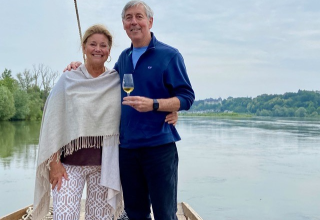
x,y
128,94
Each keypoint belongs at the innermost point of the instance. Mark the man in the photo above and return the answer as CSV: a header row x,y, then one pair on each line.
x,y
148,154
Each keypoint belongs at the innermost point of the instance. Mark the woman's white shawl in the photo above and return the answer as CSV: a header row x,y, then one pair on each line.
x,y
81,108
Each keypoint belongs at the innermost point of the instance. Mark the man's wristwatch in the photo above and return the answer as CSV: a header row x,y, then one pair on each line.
x,y
155,105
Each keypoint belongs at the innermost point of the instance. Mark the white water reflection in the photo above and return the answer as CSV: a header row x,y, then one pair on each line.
x,y
239,169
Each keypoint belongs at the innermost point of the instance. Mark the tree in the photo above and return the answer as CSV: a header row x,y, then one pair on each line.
x,y
7,109
280,111
8,81
6,74
291,112
301,112
265,112
35,104
26,80
21,103
314,114
311,107
48,77
36,73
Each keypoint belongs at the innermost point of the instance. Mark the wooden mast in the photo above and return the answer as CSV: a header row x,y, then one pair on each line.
x,y
79,27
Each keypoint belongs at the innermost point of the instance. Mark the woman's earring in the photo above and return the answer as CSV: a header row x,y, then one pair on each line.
x,y
109,60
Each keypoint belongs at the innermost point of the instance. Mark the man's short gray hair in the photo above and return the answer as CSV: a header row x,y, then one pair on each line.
x,y
134,3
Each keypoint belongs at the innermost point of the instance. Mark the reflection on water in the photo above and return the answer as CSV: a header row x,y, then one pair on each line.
x,y
229,168
15,137
18,149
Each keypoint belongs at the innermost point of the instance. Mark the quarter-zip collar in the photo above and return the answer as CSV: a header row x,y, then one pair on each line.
x,y
152,44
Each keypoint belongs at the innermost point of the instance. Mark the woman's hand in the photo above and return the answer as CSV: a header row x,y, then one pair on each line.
x,y
172,118
72,66
56,173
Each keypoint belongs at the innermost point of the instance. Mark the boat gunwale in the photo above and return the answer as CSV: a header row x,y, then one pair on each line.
x,y
187,210
189,213
15,215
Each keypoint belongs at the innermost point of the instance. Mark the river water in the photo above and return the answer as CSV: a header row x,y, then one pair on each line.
x,y
230,169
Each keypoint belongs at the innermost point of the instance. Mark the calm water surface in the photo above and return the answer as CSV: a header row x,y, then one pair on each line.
x,y
237,169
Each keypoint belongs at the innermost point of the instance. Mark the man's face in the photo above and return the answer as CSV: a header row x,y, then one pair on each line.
x,y
137,25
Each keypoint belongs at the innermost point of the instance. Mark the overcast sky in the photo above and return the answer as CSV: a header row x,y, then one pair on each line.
x,y
238,48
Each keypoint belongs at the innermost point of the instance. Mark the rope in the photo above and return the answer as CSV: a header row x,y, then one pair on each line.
x,y
49,216
79,27
28,215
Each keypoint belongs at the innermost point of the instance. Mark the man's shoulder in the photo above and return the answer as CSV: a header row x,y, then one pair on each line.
x,y
166,47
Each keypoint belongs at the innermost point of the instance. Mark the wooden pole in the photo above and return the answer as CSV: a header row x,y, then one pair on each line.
x,y
79,27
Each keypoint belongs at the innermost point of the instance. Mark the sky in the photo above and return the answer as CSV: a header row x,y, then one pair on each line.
x,y
237,48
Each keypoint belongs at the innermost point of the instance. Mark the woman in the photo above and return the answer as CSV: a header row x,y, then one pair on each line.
x,y
79,138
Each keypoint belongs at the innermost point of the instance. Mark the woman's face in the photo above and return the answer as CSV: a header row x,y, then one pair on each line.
x,y
97,49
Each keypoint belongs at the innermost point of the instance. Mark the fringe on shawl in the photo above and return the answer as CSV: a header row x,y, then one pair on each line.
x,y
83,142
42,207
120,206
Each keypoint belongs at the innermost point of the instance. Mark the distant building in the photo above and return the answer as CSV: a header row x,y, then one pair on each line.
x,y
212,101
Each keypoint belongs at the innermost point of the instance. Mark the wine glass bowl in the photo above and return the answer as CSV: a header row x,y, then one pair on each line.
x,y
127,83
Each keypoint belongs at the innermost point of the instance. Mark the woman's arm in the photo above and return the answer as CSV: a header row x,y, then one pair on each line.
x,y
57,172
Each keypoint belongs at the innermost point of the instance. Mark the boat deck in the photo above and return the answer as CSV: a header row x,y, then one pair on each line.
x,y
185,212
183,209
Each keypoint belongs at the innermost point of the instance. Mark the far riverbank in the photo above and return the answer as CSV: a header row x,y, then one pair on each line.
x,y
239,115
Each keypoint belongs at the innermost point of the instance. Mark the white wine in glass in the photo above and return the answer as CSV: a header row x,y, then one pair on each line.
x,y
127,83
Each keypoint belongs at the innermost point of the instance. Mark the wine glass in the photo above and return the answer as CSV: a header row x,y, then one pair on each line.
x,y
127,83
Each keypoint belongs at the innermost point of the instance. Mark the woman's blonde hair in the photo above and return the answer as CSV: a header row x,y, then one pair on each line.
x,y
96,29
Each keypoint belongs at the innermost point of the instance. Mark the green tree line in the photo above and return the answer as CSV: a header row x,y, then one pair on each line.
x,y
300,104
23,98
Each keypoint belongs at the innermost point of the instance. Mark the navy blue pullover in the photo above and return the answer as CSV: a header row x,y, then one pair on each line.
x,y
159,73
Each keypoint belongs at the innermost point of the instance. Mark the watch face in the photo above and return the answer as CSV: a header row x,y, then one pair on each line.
x,y
155,105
